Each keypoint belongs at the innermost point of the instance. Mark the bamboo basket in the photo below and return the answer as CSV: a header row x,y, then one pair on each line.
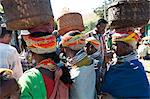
x,y
128,13
69,22
26,14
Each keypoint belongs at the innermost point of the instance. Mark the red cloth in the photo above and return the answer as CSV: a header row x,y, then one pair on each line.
x,y
49,84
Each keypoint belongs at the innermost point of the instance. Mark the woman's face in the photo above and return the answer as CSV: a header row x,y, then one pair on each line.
x,y
122,48
69,52
101,28
90,49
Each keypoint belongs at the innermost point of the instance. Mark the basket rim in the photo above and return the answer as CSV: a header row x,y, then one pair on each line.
x,y
28,17
77,27
68,13
115,3
51,21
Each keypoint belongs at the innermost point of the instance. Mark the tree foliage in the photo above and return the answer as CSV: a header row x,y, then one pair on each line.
x,y
100,11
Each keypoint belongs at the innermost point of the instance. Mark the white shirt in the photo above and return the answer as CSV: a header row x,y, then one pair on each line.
x,y
142,50
9,58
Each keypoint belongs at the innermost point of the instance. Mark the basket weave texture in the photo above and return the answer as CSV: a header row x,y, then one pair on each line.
x,y
26,14
69,22
128,13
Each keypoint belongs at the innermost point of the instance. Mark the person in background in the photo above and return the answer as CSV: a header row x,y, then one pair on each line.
x,y
99,30
99,34
9,57
25,55
9,88
144,49
104,57
39,82
126,77
58,37
82,68
93,50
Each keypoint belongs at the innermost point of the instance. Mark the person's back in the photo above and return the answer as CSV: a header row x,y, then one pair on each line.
x,y
144,50
41,82
6,51
9,57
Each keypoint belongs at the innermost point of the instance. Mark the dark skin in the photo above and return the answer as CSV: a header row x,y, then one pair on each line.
x,y
122,48
69,52
101,28
90,49
6,39
127,29
65,76
38,59
8,87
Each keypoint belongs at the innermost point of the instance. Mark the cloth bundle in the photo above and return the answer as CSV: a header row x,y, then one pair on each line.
x,y
76,42
130,37
41,45
94,42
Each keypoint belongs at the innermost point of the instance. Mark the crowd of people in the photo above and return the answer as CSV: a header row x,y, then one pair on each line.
x,y
86,69
93,65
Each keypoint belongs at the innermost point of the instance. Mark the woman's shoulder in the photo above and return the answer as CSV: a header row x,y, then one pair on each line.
x,y
30,75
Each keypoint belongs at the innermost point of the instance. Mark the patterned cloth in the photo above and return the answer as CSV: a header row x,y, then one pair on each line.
x,y
41,45
26,60
99,41
130,37
82,71
26,65
76,42
77,58
100,38
47,64
94,42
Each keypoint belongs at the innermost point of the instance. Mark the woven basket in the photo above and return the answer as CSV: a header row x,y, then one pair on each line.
x,y
26,14
70,21
128,13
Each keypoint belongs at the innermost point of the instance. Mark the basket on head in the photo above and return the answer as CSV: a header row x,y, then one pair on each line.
x,y
26,14
128,13
69,22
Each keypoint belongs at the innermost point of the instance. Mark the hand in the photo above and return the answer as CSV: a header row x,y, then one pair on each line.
x,y
108,56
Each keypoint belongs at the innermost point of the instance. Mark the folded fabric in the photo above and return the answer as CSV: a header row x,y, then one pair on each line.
x,y
94,42
130,37
127,80
76,42
41,45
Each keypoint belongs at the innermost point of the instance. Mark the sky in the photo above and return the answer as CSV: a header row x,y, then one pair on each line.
x,y
82,6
